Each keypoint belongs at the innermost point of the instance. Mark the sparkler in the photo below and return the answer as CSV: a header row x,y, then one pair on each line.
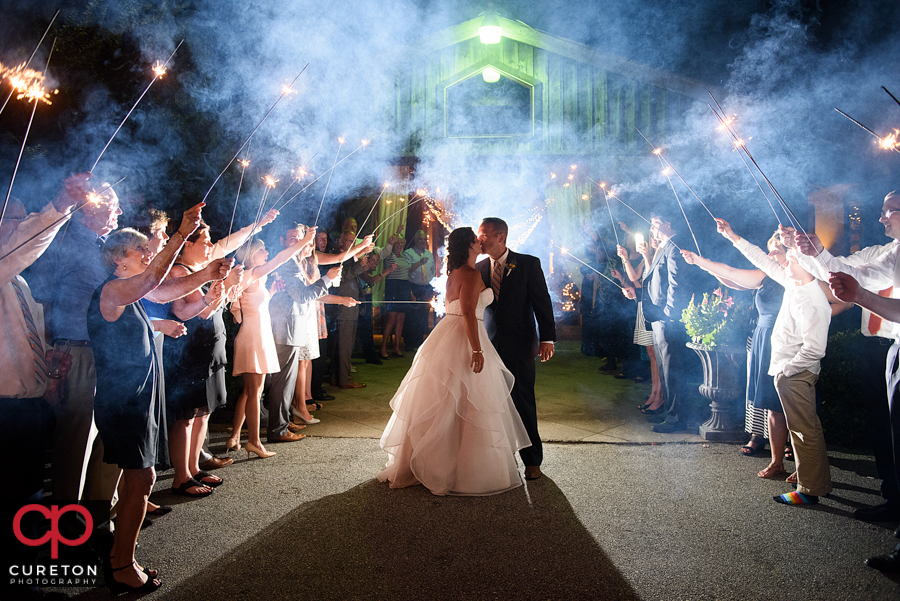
x,y
611,220
30,58
244,164
323,174
35,96
158,71
258,125
740,145
881,141
91,198
725,125
415,199
566,252
658,153
891,95
301,173
341,145
269,182
665,172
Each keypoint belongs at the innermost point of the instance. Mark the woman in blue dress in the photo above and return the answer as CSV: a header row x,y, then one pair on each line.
x,y
129,403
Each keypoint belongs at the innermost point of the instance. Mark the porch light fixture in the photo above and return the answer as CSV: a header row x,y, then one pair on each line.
x,y
490,75
490,31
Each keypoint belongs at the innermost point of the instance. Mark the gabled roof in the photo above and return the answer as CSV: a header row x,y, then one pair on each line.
x,y
520,32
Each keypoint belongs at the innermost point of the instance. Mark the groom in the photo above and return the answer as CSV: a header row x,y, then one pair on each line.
x,y
520,297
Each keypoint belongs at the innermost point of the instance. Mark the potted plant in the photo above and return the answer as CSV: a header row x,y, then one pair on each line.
x,y
719,328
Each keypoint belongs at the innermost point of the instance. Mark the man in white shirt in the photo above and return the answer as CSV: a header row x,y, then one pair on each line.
x,y
799,339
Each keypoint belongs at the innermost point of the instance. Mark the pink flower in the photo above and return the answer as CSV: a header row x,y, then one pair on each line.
x,y
718,292
729,303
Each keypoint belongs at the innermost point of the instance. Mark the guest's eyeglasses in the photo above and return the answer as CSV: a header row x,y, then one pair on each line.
x,y
887,214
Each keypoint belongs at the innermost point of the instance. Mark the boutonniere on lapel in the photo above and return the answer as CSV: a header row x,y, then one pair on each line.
x,y
510,265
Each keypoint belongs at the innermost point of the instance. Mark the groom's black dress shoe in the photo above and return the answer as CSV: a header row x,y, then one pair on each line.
x,y
889,562
533,472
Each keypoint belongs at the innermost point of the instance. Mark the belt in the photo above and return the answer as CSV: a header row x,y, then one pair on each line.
x,y
86,343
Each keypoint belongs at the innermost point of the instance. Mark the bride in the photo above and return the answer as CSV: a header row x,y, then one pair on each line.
x,y
455,428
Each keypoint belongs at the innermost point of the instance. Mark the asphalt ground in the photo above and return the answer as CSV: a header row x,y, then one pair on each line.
x,y
676,518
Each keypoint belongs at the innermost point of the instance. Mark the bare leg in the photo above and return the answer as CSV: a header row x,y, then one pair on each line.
x,y
253,384
179,450
238,422
300,389
656,395
388,328
132,506
398,331
778,433
307,391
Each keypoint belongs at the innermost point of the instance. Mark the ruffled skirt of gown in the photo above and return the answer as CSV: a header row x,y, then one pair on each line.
x,y
453,430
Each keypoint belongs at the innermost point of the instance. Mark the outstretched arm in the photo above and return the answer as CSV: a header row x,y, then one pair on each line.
x,y
737,279
847,289
282,257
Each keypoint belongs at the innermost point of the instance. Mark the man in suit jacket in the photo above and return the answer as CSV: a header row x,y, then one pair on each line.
x,y
289,310
666,294
520,297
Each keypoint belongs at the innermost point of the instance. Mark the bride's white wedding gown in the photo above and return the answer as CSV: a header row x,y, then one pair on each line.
x,y
453,430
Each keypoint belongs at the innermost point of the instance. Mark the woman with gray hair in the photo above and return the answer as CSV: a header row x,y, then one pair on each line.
x,y
129,403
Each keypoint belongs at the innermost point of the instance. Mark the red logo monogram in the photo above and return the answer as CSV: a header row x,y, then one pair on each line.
x,y
53,514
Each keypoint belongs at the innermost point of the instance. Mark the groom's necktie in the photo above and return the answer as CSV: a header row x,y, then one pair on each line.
x,y
496,277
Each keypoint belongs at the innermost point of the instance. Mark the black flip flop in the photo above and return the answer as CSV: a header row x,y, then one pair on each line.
x,y
183,489
199,476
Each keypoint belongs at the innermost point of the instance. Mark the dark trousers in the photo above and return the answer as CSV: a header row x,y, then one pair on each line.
x,y
281,391
674,361
416,324
365,329
893,390
318,368
27,429
523,398
873,395
343,351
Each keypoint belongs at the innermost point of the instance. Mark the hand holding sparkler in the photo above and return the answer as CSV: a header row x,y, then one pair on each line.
x,y
622,252
787,236
219,269
689,257
629,293
808,244
334,274
844,287
724,228
190,221
268,218
75,190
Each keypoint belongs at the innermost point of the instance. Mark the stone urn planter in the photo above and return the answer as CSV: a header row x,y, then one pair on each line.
x,y
724,382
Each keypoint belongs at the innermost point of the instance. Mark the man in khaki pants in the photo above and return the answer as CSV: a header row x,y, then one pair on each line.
x,y
798,345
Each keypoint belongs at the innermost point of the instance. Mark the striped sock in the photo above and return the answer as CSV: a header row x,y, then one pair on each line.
x,y
796,498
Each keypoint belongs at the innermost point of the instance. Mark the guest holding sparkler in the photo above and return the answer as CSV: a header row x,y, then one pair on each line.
x,y
348,315
643,336
129,402
875,268
255,354
27,394
63,280
197,362
396,288
799,337
421,272
666,293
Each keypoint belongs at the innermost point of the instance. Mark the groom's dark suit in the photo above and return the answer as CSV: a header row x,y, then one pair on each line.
x,y
510,323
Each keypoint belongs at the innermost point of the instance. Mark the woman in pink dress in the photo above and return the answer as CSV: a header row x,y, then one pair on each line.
x,y
254,345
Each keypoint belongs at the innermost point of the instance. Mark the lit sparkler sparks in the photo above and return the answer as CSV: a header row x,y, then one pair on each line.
x,y
247,141
270,181
881,141
158,71
28,83
320,176
30,58
244,163
889,142
35,97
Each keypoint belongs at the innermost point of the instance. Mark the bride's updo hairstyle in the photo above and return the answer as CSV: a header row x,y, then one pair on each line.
x,y
458,243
